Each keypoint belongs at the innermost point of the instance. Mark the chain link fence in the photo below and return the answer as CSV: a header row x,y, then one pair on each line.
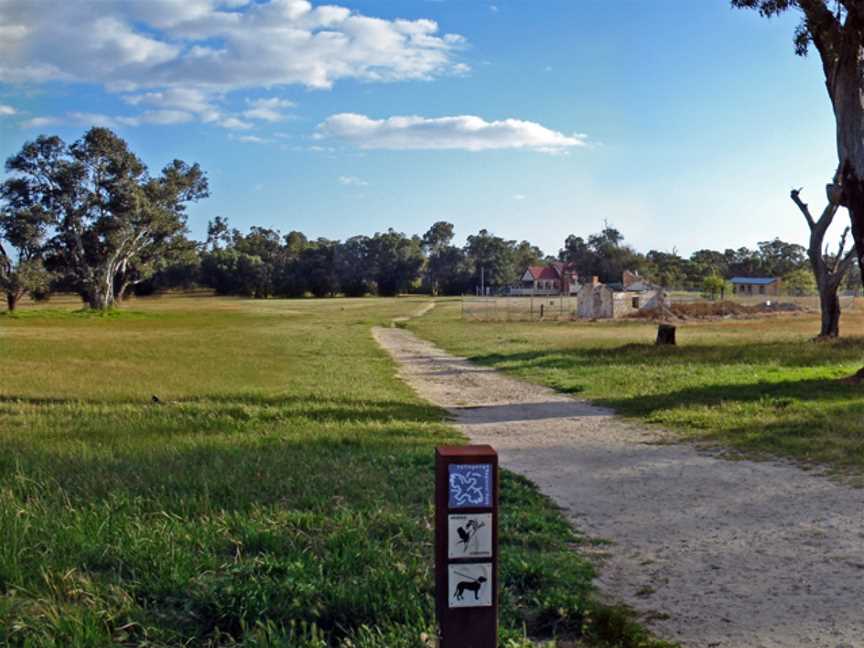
x,y
560,308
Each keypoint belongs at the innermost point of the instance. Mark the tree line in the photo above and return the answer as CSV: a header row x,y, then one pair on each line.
x,y
90,218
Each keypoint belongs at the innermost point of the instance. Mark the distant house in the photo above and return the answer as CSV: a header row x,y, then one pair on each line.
x,y
756,285
602,301
552,279
635,282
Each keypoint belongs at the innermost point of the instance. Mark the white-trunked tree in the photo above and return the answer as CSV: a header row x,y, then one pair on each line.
x,y
113,224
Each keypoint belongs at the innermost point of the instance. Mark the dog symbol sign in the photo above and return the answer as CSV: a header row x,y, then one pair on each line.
x,y
469,535
470,585
470,485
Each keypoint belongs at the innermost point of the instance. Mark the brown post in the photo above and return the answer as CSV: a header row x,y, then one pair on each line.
x,y
665,334
466,546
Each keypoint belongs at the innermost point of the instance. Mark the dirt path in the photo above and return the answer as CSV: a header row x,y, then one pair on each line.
x,y
736,553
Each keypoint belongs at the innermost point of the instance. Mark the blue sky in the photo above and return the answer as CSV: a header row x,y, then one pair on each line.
x,y
683,124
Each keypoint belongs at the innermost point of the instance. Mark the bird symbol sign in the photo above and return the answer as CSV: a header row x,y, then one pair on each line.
x,y
470,585
469,535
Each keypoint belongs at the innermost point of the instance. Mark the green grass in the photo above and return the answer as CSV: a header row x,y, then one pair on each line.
x,y
761,387
279,495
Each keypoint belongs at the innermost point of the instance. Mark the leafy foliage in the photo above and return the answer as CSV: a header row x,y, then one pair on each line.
x,y
113,225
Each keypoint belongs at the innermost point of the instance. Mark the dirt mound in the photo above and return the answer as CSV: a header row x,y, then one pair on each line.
x,y
719,310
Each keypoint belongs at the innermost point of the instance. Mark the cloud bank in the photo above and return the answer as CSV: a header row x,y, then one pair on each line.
x,y
464,132
218,45
186,55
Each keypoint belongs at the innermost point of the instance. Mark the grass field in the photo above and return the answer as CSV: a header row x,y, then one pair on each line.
x,y
759,386
280,494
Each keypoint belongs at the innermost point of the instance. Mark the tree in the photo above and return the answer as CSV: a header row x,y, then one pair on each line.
x,y
436,245
451,272
714,285
800,283
110,218
491,259
396,261
318,268
437,237
22,270
353,266
778,258
836,29
604,255
230,272
526,255
218,233
828,272
666,268
704,263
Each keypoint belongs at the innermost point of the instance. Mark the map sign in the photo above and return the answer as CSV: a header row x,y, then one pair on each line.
x,y
470,485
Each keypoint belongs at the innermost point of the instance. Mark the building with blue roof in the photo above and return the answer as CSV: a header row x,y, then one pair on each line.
x,y
756,285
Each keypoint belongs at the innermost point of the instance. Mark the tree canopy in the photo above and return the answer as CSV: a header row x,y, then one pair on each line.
x,y
113,225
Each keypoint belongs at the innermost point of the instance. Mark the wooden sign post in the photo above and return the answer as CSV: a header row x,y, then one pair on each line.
x,y
466,546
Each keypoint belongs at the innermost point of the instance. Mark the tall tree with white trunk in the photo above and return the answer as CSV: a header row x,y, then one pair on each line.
x,y
113,223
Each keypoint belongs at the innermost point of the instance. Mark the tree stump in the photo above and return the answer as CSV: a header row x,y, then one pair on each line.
x,y
666,334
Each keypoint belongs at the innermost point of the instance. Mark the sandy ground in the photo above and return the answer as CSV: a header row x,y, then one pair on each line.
x,y
711,552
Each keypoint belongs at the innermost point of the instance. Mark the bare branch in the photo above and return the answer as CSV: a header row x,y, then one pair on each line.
x,y
795,195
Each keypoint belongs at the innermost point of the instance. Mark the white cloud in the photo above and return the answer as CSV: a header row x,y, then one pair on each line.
x,y
40,122
352,181
465,132
6,111
181,59
267,109
519,196
214,46
234,123
164,117
188,100
249,139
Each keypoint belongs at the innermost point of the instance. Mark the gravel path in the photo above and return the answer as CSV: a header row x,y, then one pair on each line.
x,y
711,552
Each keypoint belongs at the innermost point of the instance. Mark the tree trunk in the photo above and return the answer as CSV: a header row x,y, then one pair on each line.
x,y
121,294
11,301
101,296
830,305
854,202
844,88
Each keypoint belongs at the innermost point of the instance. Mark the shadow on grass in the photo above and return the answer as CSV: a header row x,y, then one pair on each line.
x,y
244,407
773,396
784,354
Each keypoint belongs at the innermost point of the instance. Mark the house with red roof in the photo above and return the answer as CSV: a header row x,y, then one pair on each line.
x,y
551,279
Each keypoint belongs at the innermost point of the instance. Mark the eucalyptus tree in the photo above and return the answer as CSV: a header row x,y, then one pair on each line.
x,y
22,241
829,271
836,29
112,222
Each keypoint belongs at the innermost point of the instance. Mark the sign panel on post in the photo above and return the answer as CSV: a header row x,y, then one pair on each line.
x,y
469,535
466,546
